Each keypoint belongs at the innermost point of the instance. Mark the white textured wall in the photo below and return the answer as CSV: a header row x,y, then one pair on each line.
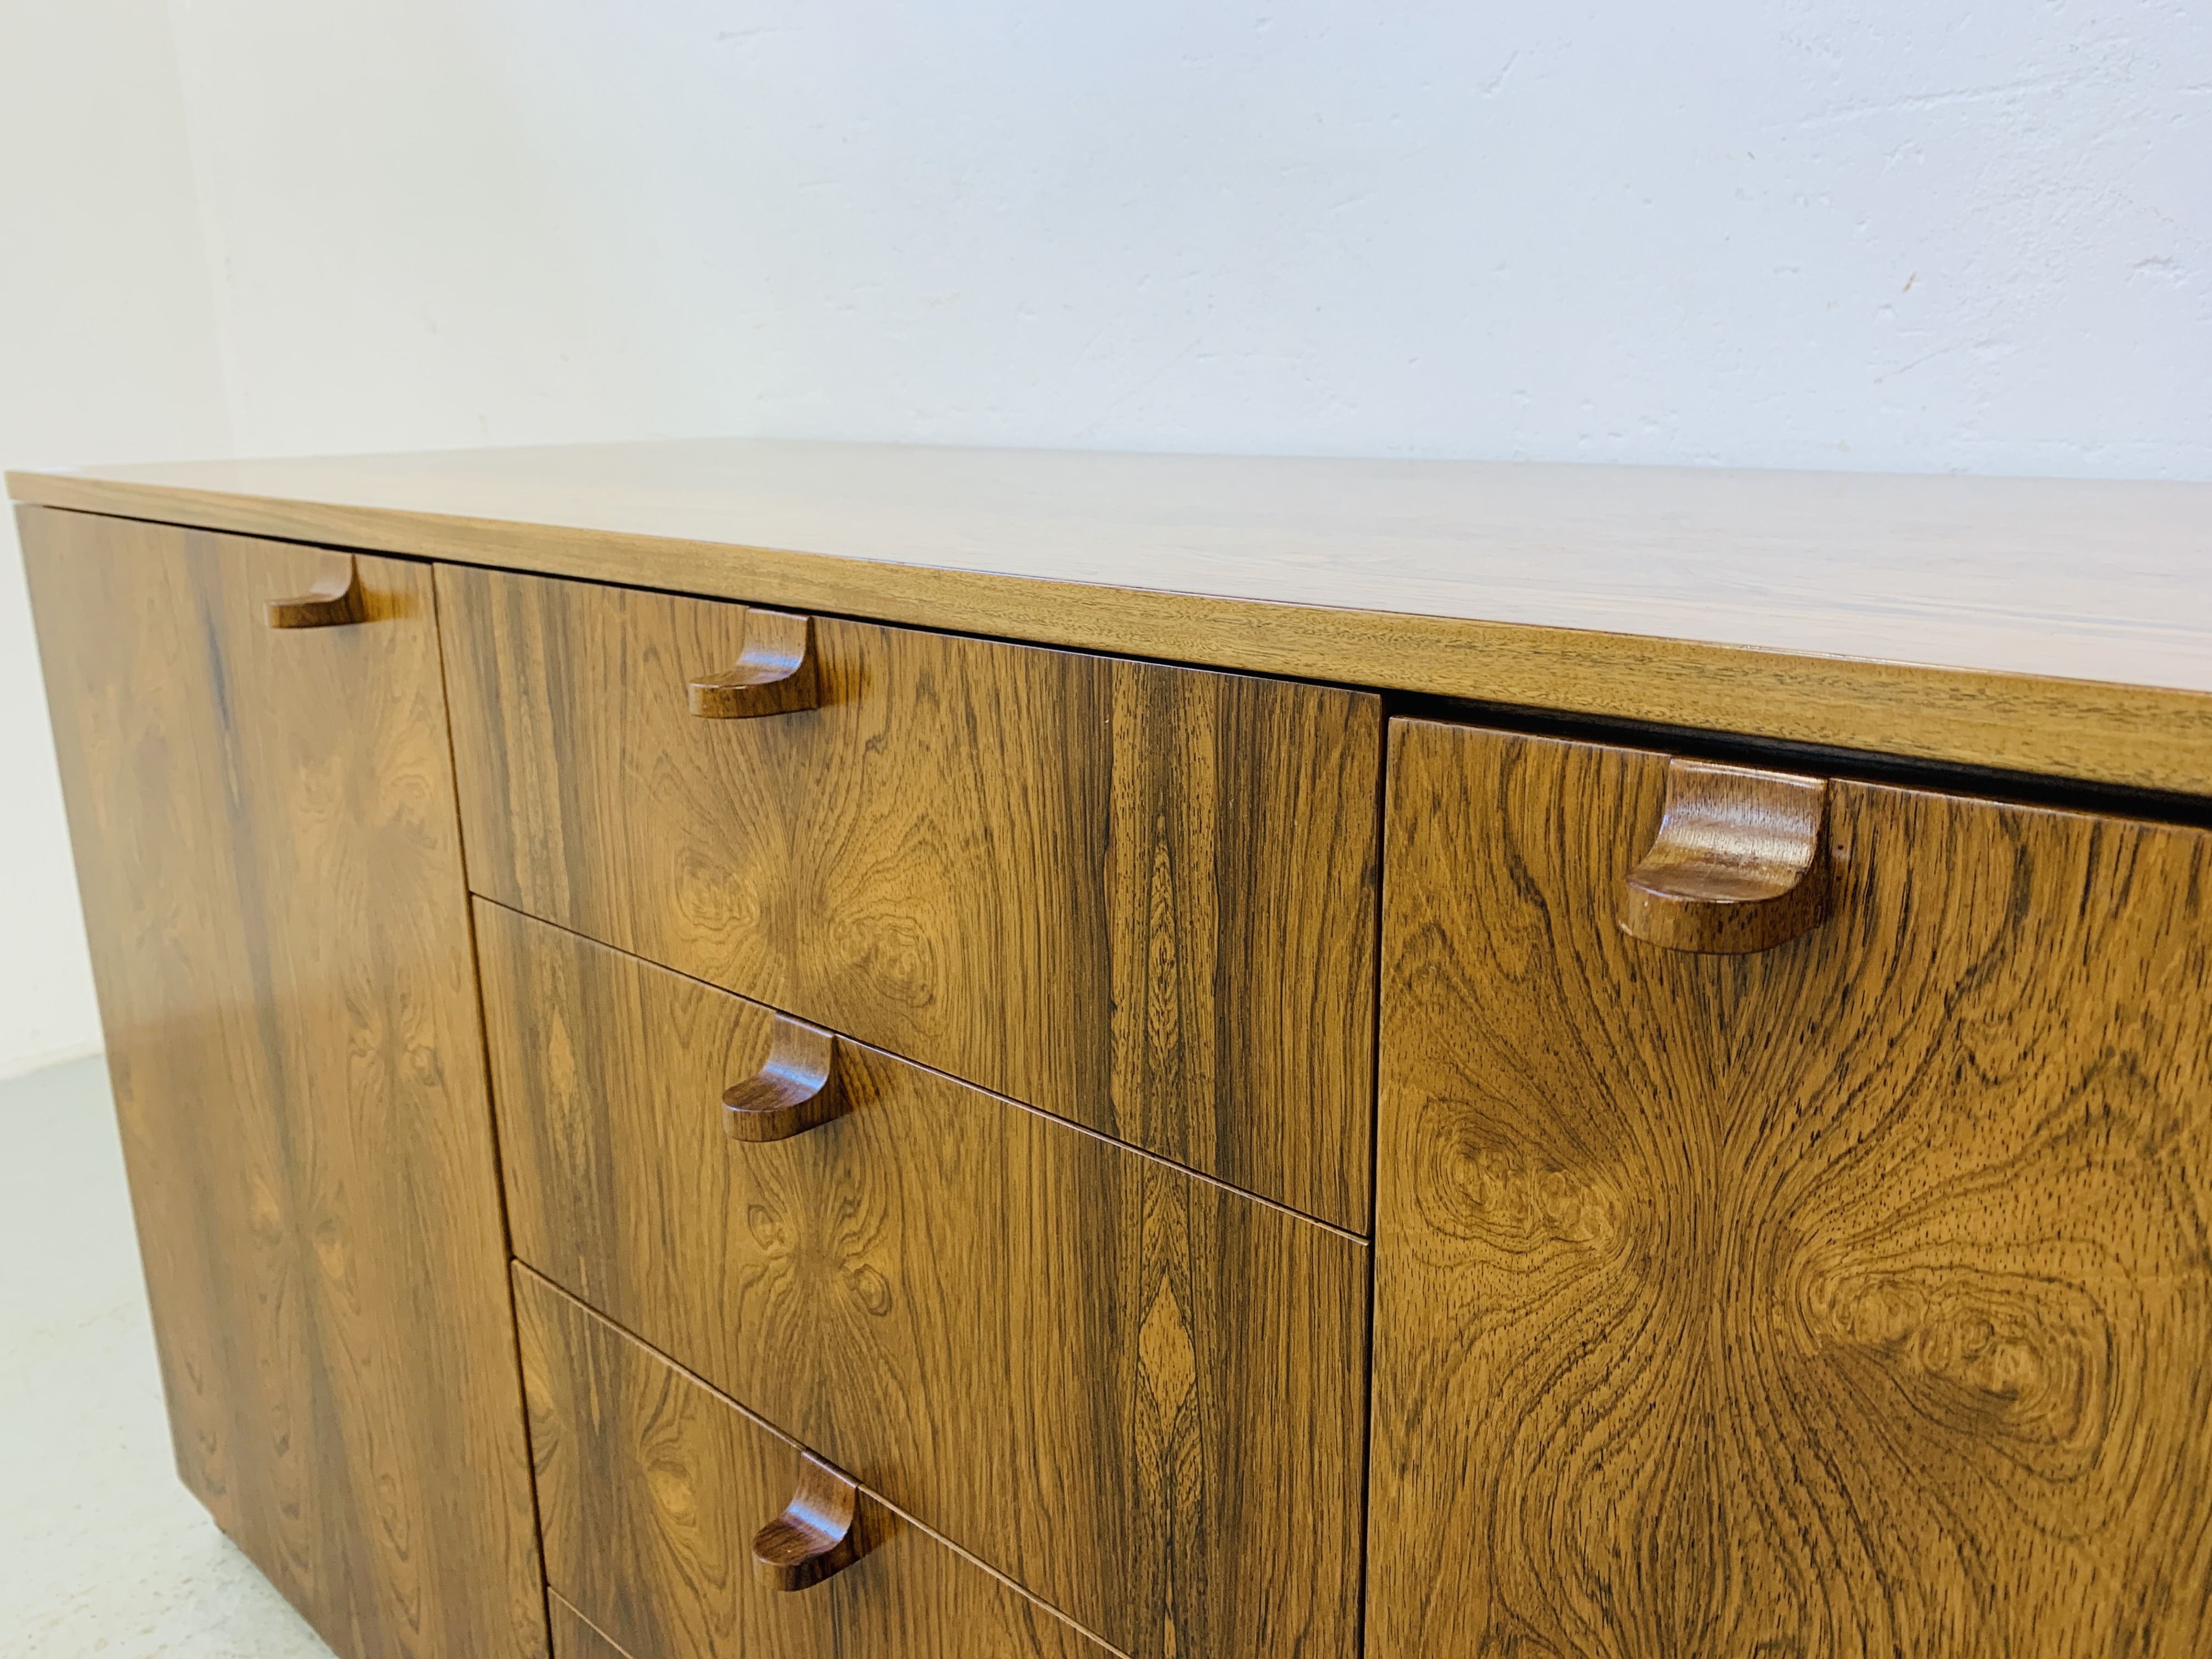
x,y
1903,233
1917,234
108,348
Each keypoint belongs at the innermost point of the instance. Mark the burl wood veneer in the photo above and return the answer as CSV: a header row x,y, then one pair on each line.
x,y
1842,1297
1136,897
1162,1055
651,1487
1137,1393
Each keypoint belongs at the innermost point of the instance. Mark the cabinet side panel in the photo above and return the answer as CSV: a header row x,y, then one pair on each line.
x,y
267,844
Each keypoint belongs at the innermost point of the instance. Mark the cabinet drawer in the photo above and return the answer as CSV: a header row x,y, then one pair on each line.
x,y
650,1489
1849,1295
1139,897
1137,1393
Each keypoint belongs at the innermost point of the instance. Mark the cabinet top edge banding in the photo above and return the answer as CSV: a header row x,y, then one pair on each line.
x,y
2045,626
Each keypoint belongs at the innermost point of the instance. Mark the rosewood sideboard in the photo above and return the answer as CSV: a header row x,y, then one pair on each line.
x,y
797,1049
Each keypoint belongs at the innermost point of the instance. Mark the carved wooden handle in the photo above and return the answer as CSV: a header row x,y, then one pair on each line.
x,y
777,673
1741,861
333,601
817,1534
796,1090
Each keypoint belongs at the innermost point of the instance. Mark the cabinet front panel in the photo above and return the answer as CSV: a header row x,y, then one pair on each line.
x,y
1139,897
1847,1297
650,1489
268,854
1138,1394
576,1637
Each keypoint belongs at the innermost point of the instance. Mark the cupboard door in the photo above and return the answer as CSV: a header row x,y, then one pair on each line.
x,y
1848,1296
267,842
1139,897
653,1488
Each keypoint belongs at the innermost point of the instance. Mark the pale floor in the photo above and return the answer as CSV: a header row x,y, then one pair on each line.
x,y
103,1551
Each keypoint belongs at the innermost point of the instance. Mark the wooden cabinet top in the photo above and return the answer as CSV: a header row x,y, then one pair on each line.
x,y
2056,626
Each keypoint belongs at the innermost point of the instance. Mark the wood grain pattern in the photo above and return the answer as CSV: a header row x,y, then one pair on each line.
x,y
649,1486
1141,898
268,850
1136,1393
576,1637
2045,625
1848,1298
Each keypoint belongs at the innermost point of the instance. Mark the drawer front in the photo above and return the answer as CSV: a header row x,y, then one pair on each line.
x,y
1138,1393
650,1489
1849,1295
1142,898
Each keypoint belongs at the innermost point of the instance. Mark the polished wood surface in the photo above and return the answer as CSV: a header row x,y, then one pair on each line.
x,y
1138,1394
1740,861
796,1089
1139,897
576,1637
777,673
268,854
2050,625
817,1534
650,1486
1848,1298
334,600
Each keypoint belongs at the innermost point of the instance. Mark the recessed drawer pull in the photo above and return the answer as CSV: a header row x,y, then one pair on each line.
x,y
816,1537
1741,861
796,1090
332,602
777,673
